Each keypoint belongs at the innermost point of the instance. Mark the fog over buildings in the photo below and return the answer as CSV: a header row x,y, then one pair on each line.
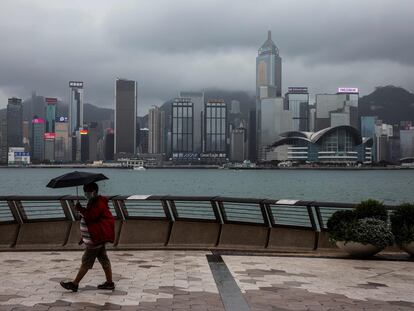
x,y
324,45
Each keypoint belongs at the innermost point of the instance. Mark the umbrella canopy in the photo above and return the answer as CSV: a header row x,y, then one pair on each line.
x,y
74,179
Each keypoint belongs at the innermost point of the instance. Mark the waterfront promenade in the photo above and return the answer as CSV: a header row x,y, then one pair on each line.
x,y
200,280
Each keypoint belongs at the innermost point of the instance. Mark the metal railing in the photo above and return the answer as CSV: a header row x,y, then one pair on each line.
x,y
268,213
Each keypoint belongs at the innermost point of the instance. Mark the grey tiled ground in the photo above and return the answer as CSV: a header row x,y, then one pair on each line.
x,y
323,284
182,280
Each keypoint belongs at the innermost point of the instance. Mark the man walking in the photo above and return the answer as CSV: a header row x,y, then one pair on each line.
x,y
97,228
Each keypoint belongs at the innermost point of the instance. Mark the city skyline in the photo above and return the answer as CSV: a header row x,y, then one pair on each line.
x,y
354,53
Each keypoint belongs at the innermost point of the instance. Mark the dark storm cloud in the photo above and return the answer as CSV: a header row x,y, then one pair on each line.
x,y
171,46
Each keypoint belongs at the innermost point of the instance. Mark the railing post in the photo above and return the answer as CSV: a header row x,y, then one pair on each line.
x,y
120,209
15,211
222,211
171,213
268,220
67,209
219,218
315,226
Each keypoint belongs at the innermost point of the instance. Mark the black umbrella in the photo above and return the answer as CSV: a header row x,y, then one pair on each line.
x,y
75,179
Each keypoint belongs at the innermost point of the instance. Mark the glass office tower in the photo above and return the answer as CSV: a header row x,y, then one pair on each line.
x,y
14,123
297,100
50,114
125,118
215,127
182,129
75,106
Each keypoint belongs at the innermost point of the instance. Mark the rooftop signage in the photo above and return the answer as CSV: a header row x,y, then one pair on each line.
x,y
348,90
51,100
298,90
49,135
62,119
76,84
38,120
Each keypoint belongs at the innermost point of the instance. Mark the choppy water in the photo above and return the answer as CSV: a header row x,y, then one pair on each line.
x,y
322,185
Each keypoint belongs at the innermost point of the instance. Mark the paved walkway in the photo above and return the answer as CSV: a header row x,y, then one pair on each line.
x,y
186,280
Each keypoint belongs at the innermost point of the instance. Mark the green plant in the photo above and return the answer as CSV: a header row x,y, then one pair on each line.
x,y
402,223
338,225
371,231
371,209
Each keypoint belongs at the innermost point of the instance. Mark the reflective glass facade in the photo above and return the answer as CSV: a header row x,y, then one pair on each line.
x,y
337,145
50,118
215,127
268,70
182,127
14,123
125,118
76,106
298,104
197,98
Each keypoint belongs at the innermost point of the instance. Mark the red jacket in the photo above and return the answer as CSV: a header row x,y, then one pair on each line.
x,y
99,220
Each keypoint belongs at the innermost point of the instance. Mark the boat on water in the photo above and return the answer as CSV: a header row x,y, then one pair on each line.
x,y
139,168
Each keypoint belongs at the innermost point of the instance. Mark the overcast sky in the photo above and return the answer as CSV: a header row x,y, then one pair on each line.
x,y
168,46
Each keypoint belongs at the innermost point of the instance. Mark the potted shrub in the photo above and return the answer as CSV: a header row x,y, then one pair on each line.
x,y
402,226
363,231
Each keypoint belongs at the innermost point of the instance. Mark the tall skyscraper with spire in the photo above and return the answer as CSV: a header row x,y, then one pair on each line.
x,y
269,104
268,70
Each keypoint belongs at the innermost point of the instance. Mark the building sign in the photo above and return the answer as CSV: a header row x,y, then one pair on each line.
x,y
76,84
83,132
49,135
186,155
51,100
298,90
62,119
38,120
348,90
22,154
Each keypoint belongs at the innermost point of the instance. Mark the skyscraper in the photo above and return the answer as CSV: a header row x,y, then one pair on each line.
x,y
268,70
215,134
36,106
297,100
75,106
14,123
197,98
93,141
252,139
156,125
50,114
238,145
62,141
3,136
182,148
268,86
125,118
37,145
337,109
109,145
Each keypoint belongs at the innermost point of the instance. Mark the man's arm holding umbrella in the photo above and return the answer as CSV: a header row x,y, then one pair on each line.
x,y
89,214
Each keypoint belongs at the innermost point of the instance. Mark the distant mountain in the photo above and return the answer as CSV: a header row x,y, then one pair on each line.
x,y
390,103
91,113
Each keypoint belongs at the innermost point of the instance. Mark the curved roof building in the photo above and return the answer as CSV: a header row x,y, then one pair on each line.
x,y
340,144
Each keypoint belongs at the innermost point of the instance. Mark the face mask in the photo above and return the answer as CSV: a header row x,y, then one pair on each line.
x,y
89,195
